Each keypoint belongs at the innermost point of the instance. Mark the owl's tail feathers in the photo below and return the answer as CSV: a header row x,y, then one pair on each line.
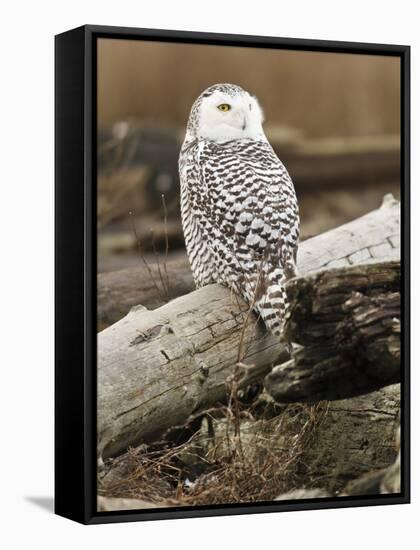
x,y
272,307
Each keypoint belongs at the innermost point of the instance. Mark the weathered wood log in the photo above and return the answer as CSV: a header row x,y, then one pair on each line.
x,y
347,321
156,368
112,504
384,481
119,291
299,494
326,163
357,436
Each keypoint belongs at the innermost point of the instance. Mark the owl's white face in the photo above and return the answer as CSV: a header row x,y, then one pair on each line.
x,y
225,117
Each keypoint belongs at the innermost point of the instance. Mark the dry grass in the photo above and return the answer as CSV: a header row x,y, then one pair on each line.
x,y
234,457
161,280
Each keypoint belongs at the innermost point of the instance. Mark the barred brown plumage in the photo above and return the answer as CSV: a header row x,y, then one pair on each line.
x,y
238,204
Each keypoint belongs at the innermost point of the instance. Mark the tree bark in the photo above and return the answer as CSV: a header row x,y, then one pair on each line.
x,y
347,321
156,368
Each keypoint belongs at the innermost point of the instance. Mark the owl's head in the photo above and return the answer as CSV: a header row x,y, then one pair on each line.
x,y
225,112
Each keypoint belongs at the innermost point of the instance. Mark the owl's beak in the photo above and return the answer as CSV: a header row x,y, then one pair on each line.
x,y
244,123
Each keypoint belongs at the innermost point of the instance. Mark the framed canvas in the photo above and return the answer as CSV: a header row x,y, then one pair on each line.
x,y
232,274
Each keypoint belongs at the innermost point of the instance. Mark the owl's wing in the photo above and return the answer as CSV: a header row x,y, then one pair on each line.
x,y
197,217
250,206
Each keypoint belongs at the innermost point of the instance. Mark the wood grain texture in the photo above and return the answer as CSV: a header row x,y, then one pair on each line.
x,y
347,321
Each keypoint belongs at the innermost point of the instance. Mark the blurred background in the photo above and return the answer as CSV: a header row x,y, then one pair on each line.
x,y
333,119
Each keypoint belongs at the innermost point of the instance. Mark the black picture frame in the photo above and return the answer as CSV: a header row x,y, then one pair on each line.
x,y
75,272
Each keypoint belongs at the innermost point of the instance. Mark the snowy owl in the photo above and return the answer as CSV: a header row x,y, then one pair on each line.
x,y
238,205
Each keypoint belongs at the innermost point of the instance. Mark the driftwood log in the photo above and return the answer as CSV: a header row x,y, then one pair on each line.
x,y
350,161
119,291
110,504
357,436
156,368
347,321
354,450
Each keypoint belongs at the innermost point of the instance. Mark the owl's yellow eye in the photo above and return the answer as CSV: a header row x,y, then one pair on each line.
x,y
224,107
